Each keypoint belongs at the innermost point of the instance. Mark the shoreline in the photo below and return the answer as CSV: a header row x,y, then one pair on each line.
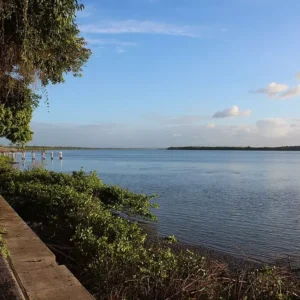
x,y
221,148
232,261
45,148
183,148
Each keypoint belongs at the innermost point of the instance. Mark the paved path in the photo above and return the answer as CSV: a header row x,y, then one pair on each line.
x,y
9,288
34,265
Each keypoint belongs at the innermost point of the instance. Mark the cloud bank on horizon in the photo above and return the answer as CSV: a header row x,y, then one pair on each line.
x,y
179,73
266,132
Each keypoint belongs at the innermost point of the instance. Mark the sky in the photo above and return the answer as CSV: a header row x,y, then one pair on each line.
x,y
180,72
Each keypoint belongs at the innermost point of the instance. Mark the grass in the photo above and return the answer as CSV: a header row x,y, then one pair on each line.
x,y
3,249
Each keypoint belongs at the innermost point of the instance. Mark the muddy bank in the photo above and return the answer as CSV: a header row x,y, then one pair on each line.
x,y
234,262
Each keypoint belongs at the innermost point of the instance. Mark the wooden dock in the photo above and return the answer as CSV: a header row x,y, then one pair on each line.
x,y
30,270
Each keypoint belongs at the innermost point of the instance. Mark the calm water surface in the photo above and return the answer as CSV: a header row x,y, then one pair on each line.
x,y
243,203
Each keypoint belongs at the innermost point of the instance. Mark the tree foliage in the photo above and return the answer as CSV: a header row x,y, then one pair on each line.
x,y
39,43
16,110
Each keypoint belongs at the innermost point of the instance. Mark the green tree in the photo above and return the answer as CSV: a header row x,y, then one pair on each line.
x,y
39,43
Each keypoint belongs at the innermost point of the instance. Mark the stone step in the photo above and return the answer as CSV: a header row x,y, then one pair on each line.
x,y
63,293
45,278
9,287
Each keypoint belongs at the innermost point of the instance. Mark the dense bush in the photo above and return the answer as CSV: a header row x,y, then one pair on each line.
x,y
75,216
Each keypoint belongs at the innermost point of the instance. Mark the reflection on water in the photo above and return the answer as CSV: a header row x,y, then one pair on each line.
x,y
245,203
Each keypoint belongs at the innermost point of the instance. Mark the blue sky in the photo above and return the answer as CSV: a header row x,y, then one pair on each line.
x,y
179,72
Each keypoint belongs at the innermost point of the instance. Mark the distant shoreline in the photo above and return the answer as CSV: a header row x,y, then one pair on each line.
x,y
220,148
40,148
283,148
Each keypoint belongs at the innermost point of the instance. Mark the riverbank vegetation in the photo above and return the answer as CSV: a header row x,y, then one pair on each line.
x,y
75,215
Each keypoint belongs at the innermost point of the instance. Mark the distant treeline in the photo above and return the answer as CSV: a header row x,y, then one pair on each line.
x,y
283,148
57,148
42,148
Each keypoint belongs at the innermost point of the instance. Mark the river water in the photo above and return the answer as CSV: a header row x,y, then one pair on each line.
x,y
238,202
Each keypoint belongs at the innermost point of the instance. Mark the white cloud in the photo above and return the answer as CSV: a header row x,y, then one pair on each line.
x,y
186,119
211,125
291,92
273,127
137,26
113,42
279,90
272,90
233,111
120,50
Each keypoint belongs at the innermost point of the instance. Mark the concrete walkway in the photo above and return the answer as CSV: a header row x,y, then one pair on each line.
x,y
33,265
